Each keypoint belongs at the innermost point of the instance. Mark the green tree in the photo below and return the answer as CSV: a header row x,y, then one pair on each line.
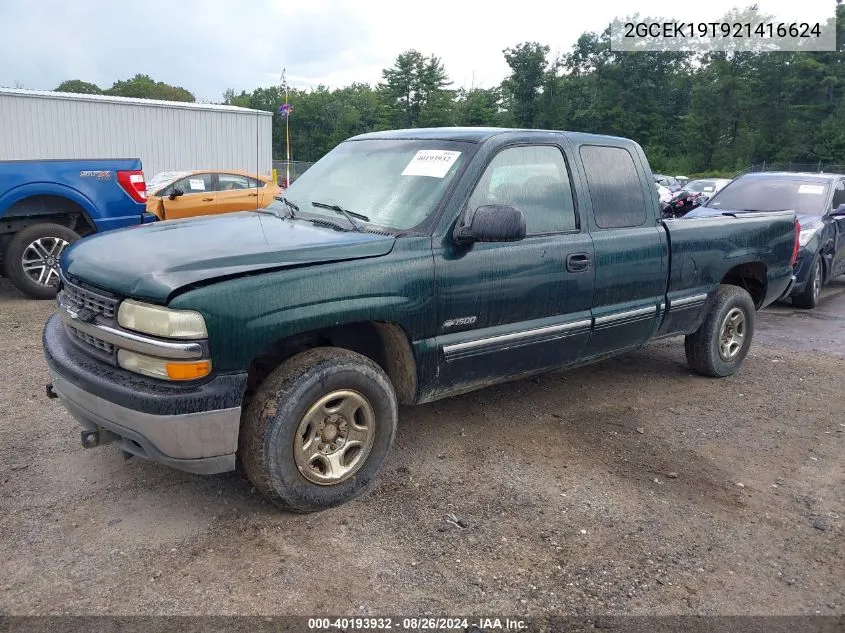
x,y
527,62
79,87
478,107
144,87
415,91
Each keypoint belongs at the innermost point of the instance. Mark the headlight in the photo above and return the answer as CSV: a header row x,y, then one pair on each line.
x,y
806,235
161,368
159,321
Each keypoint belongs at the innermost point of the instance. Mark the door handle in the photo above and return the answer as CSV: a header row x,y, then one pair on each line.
x,y
208,199
578,262
252,195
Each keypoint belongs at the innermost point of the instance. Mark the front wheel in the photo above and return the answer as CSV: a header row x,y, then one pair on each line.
x,y
318,429
721,344
32,260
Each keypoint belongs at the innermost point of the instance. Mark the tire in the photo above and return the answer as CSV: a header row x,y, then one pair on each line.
x,y
46,241
277,420
704,347
809,297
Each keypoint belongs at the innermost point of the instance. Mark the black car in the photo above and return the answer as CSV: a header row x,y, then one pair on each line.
x,y
819,202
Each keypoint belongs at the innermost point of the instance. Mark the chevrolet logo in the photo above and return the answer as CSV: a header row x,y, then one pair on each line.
x,y
86,315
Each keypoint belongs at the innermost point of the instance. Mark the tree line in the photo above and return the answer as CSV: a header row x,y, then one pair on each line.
x,y
714,112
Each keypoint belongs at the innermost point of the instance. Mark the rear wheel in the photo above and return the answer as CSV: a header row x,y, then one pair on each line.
x,y
32,259
318,429
721,344
809,297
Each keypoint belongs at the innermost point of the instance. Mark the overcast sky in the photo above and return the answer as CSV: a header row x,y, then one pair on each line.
x,y
208,46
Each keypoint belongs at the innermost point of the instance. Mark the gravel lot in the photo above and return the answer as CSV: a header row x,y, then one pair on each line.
x,y
628,487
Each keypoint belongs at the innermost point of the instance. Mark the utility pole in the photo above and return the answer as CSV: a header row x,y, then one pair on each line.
x,y
285,110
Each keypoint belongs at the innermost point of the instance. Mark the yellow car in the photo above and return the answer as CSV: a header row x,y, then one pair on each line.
x,y
183,194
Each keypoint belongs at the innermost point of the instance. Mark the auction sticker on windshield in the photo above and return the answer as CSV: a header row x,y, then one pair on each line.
x,y
431,162
815,189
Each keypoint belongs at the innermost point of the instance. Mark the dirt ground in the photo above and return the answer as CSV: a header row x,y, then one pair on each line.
x,y
628,487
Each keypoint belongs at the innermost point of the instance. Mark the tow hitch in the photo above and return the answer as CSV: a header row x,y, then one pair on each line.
x,y
92,438
51,393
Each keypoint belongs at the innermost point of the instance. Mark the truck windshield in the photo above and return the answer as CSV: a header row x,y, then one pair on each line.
x,y
396,184
759,194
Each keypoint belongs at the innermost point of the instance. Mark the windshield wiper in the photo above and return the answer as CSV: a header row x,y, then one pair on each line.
x,y
292,206
348,214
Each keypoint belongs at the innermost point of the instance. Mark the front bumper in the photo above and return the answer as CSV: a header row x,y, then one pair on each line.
x,y
192,427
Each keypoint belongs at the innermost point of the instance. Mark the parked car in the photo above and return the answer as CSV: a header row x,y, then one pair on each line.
x,y
682,180
184,194
668,181
663,194
819,201
45,205
706,188
403,267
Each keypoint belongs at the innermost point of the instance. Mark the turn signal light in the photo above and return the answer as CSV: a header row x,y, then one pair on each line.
x,y
188,371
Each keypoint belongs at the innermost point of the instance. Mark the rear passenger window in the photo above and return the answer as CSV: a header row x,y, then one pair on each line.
x,y
615,188
535,180
232,182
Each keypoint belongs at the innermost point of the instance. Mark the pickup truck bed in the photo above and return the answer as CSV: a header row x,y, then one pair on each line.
x,y
47,204
404,267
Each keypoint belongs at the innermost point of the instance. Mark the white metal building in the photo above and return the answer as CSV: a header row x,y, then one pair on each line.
x,y
165,135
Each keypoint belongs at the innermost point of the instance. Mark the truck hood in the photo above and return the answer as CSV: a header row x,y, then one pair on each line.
x,y
152,261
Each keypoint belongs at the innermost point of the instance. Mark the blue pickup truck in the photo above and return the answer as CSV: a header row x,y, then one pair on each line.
x,y
45,205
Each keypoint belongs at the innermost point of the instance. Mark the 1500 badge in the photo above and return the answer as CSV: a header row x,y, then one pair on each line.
x,y
470,320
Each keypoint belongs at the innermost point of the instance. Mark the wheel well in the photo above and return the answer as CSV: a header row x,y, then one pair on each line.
x,y
751,277
47,208
384,343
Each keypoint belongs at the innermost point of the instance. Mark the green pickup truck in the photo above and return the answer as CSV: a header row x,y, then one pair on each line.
x,y
403,267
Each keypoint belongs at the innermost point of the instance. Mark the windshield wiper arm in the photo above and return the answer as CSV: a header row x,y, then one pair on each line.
x,y
292,206
348,214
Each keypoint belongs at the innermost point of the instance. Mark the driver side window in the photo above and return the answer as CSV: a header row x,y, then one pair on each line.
x,y
535,180
196,183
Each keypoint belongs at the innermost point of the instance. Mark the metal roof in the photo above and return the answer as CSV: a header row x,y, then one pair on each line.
x,y
71,96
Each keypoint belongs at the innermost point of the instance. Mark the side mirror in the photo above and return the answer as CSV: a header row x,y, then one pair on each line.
x,y
176,193
492,223
839,211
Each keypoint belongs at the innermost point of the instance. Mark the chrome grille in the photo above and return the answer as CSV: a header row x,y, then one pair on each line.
x,y
82,298
104,308
91,340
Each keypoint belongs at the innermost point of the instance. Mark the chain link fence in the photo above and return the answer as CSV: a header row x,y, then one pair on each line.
x,y
297,168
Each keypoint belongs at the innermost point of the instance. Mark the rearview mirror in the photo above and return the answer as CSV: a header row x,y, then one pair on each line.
x,y
491,223
839,211
176,193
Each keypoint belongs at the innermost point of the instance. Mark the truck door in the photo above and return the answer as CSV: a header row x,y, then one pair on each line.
x,y
631,251
506,309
